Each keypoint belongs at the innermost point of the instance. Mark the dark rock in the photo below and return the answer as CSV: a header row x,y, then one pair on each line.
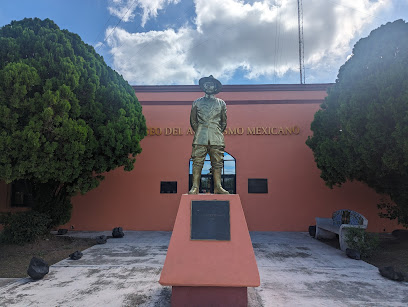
x,y
312,231
353,254
38,268
62,231
76,255
101,240
388,272
117,232
400,234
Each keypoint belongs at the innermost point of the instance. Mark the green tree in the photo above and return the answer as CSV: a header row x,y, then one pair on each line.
x,y
65,116
361,131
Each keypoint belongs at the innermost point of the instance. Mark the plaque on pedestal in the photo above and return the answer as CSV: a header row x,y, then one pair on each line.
x,y
210,220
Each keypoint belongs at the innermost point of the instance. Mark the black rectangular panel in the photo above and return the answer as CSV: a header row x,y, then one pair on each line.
x,y
210,220
257,185
168,187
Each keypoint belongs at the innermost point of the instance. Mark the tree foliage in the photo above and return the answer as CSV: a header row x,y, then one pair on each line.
x,y
65,116
361,131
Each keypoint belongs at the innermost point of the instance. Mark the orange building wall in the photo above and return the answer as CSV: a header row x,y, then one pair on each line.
x,y
296,192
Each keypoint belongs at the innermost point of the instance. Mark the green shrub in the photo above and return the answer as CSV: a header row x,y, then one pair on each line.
x,y
57,206
24,227
365,243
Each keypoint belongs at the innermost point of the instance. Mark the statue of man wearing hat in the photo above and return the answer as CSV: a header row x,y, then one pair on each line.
x,y
208,119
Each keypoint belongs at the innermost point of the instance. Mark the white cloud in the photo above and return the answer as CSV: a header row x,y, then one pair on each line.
x,y
155,57
260,38
125,9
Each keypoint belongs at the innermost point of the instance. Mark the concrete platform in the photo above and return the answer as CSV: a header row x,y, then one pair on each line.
x,y
295,270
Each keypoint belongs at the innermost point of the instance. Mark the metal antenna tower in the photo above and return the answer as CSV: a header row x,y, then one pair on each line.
x,y
301,43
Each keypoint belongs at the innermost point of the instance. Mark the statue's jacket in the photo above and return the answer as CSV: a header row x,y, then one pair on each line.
x,y
208,118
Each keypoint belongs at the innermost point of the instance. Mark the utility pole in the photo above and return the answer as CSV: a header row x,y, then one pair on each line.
x,y
301,43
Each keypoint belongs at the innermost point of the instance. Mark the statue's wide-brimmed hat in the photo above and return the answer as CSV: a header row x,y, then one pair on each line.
x,y
218,85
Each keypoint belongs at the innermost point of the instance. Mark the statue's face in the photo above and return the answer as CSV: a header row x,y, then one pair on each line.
x,y
209,87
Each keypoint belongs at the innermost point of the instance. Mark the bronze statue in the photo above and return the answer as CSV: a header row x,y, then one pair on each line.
x,y
208,119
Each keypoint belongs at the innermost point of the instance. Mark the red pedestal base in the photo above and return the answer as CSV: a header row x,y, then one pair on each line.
x,y
210,273
209,296
206,263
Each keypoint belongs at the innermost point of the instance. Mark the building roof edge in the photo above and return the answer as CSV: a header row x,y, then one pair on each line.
x,y
236,102
234,88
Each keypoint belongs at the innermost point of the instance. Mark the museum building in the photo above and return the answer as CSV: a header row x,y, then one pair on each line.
x,y
266,162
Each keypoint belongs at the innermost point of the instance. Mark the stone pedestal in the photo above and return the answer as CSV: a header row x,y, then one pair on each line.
x,y
210,272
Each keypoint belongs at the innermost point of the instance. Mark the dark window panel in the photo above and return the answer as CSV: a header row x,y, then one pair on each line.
x,y
257,185
21,195
168,187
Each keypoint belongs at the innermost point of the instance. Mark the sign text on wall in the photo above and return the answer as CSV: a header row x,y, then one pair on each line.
x,y
176,131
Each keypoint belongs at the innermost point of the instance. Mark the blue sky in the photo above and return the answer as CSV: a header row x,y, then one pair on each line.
x,y
237,41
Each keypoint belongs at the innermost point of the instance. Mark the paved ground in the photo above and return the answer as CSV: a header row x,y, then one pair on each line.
x,y
295,270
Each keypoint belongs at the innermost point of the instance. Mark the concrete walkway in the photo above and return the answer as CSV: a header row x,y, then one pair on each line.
x,y
295,270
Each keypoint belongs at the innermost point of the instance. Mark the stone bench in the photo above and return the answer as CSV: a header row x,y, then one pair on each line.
x,y
327,228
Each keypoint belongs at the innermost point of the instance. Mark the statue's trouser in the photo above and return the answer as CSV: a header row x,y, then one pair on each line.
x,y
216,156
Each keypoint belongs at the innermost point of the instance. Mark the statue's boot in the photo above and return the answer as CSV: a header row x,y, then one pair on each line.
x,y
196,180
217,182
